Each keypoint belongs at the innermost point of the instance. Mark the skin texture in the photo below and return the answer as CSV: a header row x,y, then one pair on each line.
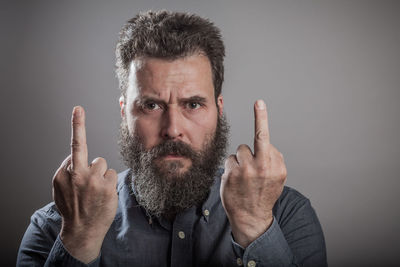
x,y
85,195
171,100
167,100
252,183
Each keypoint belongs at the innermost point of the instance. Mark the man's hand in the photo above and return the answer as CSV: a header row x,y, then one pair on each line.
x,y
85,195
251,184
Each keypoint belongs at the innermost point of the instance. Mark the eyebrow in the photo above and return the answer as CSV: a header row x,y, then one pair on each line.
x,y
195,98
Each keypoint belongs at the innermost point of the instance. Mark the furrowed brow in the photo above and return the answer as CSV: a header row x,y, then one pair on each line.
x,y
144,99
195,98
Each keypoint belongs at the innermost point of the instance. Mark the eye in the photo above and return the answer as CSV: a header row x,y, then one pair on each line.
x,y
193,105
151,106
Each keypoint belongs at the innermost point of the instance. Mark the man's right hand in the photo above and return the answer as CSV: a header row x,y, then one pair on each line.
x,y
85,195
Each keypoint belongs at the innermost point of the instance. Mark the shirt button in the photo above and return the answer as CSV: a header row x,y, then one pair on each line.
x,y
239,261
181,235
251,264
206,212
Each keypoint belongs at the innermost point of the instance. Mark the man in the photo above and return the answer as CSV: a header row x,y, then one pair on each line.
x,y
173,206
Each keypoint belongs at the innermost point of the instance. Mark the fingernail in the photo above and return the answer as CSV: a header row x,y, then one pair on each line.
x,y
260,104
77,111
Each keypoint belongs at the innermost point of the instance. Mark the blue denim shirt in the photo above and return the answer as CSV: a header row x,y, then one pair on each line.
x,y
199,236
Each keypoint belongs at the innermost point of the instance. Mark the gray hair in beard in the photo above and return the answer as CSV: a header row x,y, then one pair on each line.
x,y
163,191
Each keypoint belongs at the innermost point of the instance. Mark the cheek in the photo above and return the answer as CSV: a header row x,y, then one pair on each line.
x,y
147,130
202,128
146,127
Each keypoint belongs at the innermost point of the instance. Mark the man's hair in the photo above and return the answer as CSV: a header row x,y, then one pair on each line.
x,y
169,35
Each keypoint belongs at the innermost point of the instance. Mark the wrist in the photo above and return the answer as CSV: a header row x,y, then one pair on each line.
x,y
245,232
85,246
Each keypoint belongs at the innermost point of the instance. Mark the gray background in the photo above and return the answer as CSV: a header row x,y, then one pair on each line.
x,y
328,70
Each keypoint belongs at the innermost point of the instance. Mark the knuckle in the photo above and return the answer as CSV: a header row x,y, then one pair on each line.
x,y
112,172
75,146
74,143
92,183
243,147
263,169
60,173
235,172
81,184
279,176
66,162
271,149
111,176
100,162
281,181
56,179
230,160
224,176
115,175
284,172
232,177
76,122
247,171
261,135
72,172
275,151
268,155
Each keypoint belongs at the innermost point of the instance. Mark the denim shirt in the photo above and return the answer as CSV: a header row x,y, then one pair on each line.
x,y
199,236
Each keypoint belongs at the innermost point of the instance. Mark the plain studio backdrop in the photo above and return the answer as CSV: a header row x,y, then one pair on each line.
x,y
329,72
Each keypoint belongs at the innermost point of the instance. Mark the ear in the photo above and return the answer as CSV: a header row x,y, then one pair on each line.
x,y
220,104
122,105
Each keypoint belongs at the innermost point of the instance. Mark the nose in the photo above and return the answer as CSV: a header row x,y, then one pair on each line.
x,y
172,124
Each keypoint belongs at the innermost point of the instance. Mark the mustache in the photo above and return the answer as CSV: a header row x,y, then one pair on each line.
x,y
177,148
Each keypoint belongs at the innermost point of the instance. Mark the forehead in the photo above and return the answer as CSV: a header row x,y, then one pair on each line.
x,y
183,76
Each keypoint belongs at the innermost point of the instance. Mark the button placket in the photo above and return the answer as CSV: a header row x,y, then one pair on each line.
x,y
182,239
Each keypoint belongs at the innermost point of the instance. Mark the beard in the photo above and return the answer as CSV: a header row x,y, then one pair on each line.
x,y
160,187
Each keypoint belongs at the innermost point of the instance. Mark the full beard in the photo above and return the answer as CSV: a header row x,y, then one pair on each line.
x,y
160,187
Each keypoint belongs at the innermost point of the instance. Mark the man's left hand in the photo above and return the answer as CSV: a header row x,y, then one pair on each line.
x,y
252,183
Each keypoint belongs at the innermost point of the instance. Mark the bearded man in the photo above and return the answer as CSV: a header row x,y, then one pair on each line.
x,y
174,206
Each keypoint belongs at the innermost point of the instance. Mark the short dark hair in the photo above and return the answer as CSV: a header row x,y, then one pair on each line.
x,y
169,35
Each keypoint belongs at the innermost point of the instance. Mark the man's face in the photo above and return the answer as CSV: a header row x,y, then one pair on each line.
x,y
172,100
173,136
